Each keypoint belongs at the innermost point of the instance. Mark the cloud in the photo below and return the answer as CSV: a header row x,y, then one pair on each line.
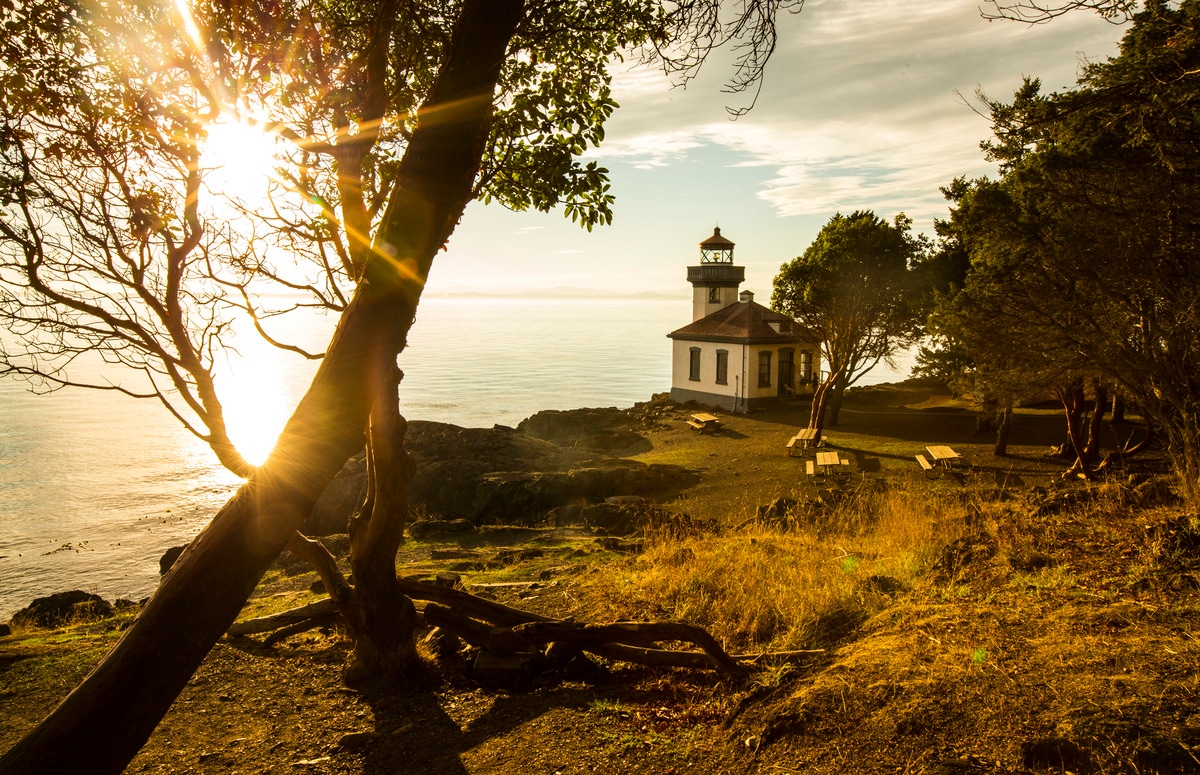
x,y
653,149
864,105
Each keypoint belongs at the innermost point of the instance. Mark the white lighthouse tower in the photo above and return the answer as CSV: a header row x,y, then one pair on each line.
x,y
716,280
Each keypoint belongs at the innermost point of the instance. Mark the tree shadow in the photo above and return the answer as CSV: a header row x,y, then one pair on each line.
x,y
415,734
867,464
417,731
729,433
867,460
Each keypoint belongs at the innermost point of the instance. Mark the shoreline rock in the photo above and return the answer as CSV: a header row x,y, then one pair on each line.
x,y
504,475
63,608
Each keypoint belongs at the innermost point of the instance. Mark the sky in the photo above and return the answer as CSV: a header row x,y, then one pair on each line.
x,y
867,104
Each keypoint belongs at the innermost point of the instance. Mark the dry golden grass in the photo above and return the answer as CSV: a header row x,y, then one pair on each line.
x,y
763,588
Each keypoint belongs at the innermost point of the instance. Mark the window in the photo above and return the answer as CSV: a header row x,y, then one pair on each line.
x,y
694,365
714,295
722,367
806,365
764,368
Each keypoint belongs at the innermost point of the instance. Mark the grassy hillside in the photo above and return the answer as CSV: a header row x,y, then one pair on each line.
x,y
996,621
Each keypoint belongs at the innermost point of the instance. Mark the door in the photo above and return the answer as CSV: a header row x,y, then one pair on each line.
x,y
787,372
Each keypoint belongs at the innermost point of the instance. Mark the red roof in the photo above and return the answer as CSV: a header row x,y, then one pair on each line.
x,y
716,241
746,322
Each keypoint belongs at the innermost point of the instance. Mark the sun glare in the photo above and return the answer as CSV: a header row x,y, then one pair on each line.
x,y
255,397
239,159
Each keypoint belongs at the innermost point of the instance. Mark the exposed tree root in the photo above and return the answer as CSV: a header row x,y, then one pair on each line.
x,y
501,629
588,637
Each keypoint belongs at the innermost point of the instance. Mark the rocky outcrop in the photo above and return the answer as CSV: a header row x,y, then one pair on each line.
x,y
504,475
63,608
516,496
600,430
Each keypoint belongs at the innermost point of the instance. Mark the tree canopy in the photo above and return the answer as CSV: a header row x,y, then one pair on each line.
x,y
1084,252
854,291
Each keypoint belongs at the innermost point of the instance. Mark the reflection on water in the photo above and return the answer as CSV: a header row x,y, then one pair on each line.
x,y
95,486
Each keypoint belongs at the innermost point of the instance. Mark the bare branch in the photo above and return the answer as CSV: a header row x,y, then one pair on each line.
x,y
1114,11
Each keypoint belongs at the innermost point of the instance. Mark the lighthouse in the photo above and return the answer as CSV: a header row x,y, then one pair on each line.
x,y
715,281
736,354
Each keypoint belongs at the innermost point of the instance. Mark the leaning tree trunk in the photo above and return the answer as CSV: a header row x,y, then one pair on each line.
x,y
1072,398
103,723
1091,449
382,620
1003,427
816,417
836,394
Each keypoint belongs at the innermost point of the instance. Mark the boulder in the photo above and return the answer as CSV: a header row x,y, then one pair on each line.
x,y
522,496
610,519
655,413
63,608
168,559
777,511
331,513
615,519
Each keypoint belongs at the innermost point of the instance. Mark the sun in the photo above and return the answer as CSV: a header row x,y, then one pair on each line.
x,y
239,159
255,395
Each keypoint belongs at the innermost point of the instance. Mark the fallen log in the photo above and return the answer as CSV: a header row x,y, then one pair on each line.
x,y
320,608
283,633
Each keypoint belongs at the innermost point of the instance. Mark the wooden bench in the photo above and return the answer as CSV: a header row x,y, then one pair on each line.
x,y
700,426
930,471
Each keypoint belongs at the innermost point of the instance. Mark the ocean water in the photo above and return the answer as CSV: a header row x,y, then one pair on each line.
x,y
95,486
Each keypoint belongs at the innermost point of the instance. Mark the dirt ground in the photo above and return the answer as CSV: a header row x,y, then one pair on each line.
x,y
1056,640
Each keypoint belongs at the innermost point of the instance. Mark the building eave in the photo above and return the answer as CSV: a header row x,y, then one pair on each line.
x,y
736,339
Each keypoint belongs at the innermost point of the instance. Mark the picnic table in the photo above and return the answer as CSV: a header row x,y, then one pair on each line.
x,y
802,440
703,421
943,456
828,464
831,464
827,459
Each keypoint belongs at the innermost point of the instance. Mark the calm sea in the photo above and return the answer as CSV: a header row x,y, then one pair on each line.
x,y
95,486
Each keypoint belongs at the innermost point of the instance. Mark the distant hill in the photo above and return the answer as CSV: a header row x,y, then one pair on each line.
x,y
564,292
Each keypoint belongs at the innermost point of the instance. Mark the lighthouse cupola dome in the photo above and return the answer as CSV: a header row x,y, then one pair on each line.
x,y
716,249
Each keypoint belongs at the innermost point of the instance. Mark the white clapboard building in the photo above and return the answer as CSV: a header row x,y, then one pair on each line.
x,y
736,354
